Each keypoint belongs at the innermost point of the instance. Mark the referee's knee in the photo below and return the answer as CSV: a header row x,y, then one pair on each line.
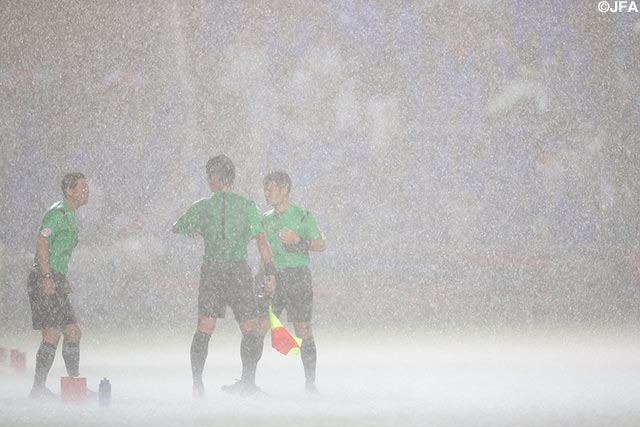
x,y
263,326
206,324
72,333
51,336
303,330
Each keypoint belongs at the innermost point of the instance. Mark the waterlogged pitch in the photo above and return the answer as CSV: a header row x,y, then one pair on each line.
x,y
364,379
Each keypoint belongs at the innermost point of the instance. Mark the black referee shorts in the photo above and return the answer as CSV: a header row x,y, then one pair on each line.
x,y
50,311
294,293
225,284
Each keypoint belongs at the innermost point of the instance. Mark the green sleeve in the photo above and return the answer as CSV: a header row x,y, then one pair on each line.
x,y
310,228
255,224
188,222
51,223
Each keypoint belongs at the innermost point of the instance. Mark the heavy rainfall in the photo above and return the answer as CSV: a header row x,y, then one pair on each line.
x,y
473,165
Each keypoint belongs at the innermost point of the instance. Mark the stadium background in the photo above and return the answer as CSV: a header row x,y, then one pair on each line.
x,y
472,165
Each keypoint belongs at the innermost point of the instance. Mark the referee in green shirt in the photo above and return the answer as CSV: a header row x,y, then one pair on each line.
x,y
292,232
48,287
227,222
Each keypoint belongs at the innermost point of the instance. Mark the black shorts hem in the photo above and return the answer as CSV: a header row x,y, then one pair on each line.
x,y
294,293
225,284
50,311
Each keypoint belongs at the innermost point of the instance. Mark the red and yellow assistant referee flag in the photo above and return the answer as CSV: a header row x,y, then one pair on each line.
x,y
281,339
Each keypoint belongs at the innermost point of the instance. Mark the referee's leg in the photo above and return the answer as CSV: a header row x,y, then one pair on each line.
x,y
200,350
44,359
71,349
251,348
308,354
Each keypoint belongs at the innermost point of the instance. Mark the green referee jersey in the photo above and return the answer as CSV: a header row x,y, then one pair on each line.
x,y
60,228
298,220
226,221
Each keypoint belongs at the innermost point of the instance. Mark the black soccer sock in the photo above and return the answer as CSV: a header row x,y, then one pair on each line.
x,y
44,359
199,352
250,353
309,355
71,356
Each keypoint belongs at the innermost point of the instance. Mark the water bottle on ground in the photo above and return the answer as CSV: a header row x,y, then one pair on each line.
x,y
104,392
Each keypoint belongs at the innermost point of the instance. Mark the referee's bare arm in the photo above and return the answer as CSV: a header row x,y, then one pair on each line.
x,y
317,245
42,252
289,237
266,258
194,233
264,249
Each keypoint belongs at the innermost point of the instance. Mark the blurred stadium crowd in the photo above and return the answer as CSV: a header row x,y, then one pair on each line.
x,y
472,164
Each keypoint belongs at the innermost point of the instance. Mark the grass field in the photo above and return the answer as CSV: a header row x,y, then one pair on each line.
x,y
365,378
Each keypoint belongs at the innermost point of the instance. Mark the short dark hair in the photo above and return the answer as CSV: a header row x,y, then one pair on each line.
x,y
70,180
222,167
281,178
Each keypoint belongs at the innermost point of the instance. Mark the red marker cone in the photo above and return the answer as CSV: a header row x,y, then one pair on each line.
x,y
4,355
73,389
18,360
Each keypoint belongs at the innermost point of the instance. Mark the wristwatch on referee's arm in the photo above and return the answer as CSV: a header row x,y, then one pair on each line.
x,y
47,275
